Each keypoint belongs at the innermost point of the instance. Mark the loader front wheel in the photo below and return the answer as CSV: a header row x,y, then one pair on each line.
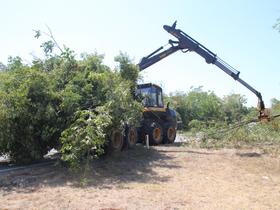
x,y
170,134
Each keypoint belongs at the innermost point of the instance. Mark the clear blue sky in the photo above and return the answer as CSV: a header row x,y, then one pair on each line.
x,y
239,31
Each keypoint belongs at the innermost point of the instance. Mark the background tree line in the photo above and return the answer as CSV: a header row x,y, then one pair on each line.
x,y
198,107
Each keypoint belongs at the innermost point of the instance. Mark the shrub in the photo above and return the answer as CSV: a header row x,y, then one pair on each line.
x,y
64,103
110,106
28,114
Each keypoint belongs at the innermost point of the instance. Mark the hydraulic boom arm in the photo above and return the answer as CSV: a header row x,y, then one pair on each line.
x,y
186,44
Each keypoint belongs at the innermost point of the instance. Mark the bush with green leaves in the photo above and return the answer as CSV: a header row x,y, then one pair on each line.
x,y
85,138
103,103
197,105
28,114
66,103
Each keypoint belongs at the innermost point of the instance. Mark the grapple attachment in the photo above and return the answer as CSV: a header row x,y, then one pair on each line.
x,y
264,115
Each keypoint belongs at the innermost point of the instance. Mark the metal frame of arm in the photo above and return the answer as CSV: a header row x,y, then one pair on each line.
x,y
154,58
186,44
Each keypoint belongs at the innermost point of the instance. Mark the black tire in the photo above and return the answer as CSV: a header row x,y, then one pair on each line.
x,y
170,134
155,134
131,137
116,141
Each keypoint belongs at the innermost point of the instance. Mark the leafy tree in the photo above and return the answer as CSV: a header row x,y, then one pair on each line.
x,y
101,102
128,71
197,105
93,62
62,102
28,114
234,107
14,63
204,106
178,102
199,108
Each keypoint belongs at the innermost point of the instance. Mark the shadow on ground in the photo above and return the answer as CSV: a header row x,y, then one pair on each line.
x,y
249,154
134,165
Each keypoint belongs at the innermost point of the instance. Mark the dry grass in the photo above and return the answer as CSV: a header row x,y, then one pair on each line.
x,y
164,177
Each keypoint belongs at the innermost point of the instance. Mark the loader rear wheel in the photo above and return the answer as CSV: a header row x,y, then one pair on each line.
x,y
156,134
116,140
170,134
131,137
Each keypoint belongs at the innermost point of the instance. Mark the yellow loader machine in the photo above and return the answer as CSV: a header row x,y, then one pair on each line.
x,y
185,43
159,122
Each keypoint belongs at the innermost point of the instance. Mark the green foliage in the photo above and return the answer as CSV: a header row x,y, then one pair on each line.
x,y
48,47
197,125
85,138
128,71
199,109
234,108
197,105
14,63
28,114
38,33
93,62
101,101
62,102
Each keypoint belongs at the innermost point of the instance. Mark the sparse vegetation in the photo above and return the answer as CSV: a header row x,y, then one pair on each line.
x,y
213,122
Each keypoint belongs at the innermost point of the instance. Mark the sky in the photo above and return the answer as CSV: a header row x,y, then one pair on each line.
x,y
240,32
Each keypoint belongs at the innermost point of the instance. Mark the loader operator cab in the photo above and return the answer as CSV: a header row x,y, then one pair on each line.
x,y
150,95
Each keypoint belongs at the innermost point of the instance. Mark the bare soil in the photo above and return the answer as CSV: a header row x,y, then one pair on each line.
x,y
163,177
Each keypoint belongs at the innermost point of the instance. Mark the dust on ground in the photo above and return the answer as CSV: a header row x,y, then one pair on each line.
x,y
163,177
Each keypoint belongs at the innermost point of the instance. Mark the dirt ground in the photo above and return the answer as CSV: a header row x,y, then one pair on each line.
x,y
163,177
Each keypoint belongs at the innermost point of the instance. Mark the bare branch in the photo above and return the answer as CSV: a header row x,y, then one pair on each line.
x,y
52,37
